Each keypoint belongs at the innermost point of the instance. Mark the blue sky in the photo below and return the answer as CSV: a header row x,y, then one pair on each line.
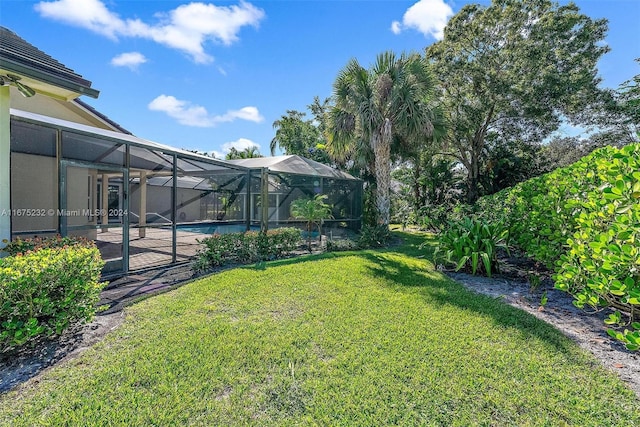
x,y
209,76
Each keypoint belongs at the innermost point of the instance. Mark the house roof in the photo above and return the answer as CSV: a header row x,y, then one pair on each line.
x,y
40,71
98,114
294,165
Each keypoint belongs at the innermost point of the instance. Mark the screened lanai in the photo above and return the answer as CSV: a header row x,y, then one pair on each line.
x,y
292,177
146,204
135,198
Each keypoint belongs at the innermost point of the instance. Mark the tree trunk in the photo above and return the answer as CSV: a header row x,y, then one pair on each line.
x,y
477,144
474,170
381,144
417,194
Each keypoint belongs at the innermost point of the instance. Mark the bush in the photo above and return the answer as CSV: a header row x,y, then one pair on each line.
x,y
583,221
44,291
341,245
473,245
248,247
436,218
19,245
374,236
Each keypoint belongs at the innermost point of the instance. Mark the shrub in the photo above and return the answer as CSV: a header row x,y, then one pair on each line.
x,y
374,236
44,291
583,221
432,218
248,247
341,245
473,245
21,246
600,267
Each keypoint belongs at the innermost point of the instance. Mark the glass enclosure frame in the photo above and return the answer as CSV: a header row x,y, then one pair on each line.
x,y
155,201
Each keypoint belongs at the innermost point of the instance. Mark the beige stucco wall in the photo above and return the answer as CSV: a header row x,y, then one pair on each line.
x,y
159,201
79,187
34,185
51,107
5,178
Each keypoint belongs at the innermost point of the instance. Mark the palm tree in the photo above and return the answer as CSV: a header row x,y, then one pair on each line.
x,y
314,211
250,152
294,134
387,108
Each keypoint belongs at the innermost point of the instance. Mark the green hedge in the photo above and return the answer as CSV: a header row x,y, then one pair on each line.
x,y
44,291
248,247
19,245
583,221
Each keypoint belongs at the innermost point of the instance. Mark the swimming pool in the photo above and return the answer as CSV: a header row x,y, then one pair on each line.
x,y
216,228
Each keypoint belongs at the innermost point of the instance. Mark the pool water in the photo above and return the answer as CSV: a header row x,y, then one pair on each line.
x,y
219,229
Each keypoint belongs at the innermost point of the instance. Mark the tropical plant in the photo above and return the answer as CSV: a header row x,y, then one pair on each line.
x,y
252,246
298,136
583,221
494,87
314,211
473,245
381,110
250,152
376,236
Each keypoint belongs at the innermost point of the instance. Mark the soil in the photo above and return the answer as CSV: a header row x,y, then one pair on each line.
x,y
512,285
18,367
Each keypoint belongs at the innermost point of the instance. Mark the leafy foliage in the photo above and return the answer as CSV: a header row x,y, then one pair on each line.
x,y
494,86
44,290
584,220
247,153
252,246
472,245
425,182
299,136
376,236
314,211
617,117
387,108
19,245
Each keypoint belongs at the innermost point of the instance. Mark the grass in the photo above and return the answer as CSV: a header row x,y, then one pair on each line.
x,y
357,338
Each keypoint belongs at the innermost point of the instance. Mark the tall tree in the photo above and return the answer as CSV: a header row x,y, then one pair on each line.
x,y
618,121
300,136
247,153
388,106
513,71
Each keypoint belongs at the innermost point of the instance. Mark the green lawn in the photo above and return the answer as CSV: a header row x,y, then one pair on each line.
x,y
362,338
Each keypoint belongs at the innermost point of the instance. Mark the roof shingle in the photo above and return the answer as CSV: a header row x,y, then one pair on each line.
x,y
19,56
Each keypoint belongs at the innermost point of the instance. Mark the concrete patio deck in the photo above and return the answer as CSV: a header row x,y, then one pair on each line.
x,y
152,250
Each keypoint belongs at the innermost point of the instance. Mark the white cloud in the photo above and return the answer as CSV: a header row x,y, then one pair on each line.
x,y
426,16
396,27
250,114
182,111
129,59
239,145
90,14
195,115
185,28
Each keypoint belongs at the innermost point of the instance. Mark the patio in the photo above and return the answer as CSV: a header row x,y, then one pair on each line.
x,y
153,250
